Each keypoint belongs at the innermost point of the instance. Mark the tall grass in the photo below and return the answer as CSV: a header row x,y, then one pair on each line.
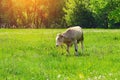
x,y
30,54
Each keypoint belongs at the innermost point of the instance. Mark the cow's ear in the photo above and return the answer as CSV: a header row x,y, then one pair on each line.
x,y
61,35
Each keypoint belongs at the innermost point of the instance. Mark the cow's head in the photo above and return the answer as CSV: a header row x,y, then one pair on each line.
x,y
59,39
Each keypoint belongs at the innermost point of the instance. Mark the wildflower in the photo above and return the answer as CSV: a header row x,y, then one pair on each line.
x,y
59,76
81,76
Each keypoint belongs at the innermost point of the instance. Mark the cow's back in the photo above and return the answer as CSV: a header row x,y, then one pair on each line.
x,y
74,32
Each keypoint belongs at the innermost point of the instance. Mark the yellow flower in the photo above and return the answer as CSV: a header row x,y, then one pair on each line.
x,y
81,76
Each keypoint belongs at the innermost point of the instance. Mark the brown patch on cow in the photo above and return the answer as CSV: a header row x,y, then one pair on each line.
x,y
68,42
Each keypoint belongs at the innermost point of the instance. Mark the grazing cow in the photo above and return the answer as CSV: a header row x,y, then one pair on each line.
x,y
72,35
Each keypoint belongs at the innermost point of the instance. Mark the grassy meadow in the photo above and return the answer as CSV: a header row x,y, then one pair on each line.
x,y
30,54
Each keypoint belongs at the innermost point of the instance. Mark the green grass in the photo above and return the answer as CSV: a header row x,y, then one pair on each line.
x,y
30,54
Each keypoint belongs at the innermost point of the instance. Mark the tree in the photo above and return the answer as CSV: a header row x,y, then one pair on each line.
x,y
105,11
60,13
77,13
0,11
114,14
56,13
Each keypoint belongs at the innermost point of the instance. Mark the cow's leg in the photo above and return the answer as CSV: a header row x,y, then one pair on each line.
x,y
68,52
82,46
76,48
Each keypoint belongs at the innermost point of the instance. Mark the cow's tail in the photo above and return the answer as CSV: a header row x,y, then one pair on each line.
x,y
82,37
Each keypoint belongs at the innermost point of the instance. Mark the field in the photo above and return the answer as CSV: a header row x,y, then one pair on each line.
x,y
30,54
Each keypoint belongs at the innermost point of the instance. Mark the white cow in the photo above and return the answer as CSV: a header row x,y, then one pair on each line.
x,y
72,35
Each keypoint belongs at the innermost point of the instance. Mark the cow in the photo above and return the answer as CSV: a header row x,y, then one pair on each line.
x,y
72,35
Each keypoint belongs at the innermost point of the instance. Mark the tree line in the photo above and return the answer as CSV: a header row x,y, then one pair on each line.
x,y
59,13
